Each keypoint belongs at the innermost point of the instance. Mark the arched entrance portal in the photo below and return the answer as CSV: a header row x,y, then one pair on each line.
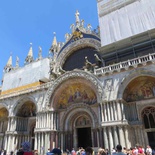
x,y
26,120
79,122
83,127
148,115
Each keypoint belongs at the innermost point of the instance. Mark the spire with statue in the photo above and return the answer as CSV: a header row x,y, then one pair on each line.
x,y
29,57
8,66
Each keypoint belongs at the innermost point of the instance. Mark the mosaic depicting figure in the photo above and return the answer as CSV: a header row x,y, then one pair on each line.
x,y
82,121
27,110
139,89
76,93
3,113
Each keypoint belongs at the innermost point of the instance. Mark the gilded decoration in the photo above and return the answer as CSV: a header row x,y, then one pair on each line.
x,y
139,89
28,109
3,113
83,121
76,93
96,85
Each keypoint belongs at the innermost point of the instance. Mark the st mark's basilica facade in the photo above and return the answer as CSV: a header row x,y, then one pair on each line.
x,y
96,89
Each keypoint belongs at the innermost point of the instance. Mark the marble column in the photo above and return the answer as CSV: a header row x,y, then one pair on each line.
x,y
98,138
111,111
92,135
127,139
102,117
106,146
142,136
39,145
47,117
119,111
116,140
62,140
122,110
111,145
6,142
115,111
20,141
136,134
101,137
105,112
146,138
52,120
35,141
121,136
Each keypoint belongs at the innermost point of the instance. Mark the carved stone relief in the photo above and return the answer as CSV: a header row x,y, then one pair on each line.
x,y
109,85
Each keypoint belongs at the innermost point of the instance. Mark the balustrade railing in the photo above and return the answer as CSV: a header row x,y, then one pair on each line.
x,y
125,64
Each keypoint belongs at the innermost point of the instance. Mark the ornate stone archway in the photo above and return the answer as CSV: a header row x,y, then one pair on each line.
x,y
75,111
78,116
133,75
70,75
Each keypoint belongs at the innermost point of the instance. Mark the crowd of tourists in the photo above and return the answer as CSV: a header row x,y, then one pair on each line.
x,y
137,150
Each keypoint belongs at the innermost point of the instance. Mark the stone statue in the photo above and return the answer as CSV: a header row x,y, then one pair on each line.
x,y
88,65
67,36
72,27
17,62
89,27
82,23
77,17
40,53
98,61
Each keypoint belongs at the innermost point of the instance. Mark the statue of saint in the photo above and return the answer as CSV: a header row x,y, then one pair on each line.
x,y
40,53
72,27
77,16
17,62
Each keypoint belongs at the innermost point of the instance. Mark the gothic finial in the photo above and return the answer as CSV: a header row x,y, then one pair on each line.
x,y
9,63
29,57
8,66
54,40
53,48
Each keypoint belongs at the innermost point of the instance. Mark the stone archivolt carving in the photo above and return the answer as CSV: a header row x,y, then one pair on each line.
x,y
83,109
74,74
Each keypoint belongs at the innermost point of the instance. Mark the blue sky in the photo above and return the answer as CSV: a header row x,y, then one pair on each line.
x,y
33,21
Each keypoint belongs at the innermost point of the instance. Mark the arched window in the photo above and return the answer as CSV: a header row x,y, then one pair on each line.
x,y
148,115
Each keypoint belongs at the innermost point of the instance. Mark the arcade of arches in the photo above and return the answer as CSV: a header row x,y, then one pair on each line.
x,y
76,119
